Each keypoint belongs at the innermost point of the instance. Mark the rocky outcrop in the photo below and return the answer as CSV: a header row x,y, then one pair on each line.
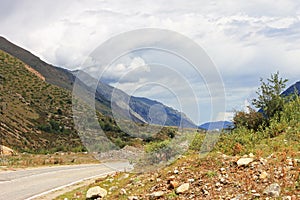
x,y
6,151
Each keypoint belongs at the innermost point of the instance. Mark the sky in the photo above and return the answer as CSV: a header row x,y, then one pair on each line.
x,y
245,40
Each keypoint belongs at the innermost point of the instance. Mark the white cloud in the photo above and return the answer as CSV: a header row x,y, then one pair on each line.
x,y
246,40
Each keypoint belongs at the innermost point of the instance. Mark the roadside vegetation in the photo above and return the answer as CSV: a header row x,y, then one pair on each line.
x,y
270,138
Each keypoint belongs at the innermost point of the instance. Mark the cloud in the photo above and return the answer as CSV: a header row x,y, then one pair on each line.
x,y
246,40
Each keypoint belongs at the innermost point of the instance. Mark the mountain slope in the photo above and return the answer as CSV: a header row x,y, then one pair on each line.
x,y
34,115
216,125
139,107
292,89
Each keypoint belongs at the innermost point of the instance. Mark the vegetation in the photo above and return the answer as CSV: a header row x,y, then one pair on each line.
x,y
270,100
273,142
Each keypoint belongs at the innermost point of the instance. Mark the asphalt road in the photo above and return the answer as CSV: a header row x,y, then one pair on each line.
x,y
29,183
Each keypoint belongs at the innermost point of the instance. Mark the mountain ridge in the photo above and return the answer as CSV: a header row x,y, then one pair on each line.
x,y
139,107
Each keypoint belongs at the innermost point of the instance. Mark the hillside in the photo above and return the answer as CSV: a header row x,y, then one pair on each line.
x,y
65,79
35,115
244,164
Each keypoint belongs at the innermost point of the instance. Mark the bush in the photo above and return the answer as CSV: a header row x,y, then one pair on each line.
x,y
288,120
251,120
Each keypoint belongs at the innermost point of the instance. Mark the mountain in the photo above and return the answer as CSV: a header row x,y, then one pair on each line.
x,y
292,89
139,107
216,125
34,115
289,91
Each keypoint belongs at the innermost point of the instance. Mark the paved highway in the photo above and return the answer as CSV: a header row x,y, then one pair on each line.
x,y
29,183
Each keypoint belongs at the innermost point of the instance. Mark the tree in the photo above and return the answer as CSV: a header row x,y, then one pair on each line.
x,y
269,100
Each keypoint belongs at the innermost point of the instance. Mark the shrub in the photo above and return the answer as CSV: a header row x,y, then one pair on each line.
x,y
251,120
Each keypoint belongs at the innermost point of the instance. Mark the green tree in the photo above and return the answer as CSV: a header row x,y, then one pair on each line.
x,y
269,99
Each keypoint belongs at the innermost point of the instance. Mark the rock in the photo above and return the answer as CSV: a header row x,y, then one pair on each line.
x,y
124,176
287,198
156,195
123,191
238,197
244,161
183,188
112,188
6,151
191,180
256,195
173,184
132,198
171,178
205,192
223,180
176,171
263,175
273,190
218,184
95,192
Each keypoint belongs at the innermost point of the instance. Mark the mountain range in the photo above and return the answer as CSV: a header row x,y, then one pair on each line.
x,y
36,105
139,107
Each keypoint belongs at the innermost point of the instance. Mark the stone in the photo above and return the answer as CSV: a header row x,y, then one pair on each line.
x,y
191,180
171,178
124,176
273,190
238,197
205,192
113,188
287,198
218,184
173,184
132,198
156,195
95,192
123,191
176,171
183,188
6,151
256,195
244,161
263,175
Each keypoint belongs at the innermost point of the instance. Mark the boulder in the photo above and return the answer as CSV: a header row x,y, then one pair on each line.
x,y
244,161
273,190
183,188
6,151
156,195
95,192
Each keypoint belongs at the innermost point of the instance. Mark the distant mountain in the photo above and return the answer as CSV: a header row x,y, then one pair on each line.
x,y
139,107
289,91
292,89
216,125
